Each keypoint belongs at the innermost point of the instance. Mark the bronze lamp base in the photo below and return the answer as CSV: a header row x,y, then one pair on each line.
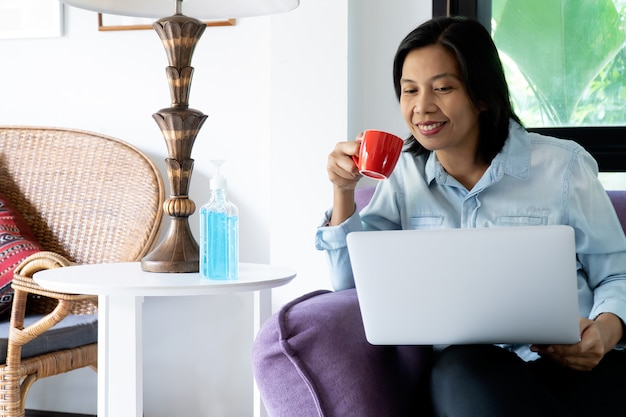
x,y
178,251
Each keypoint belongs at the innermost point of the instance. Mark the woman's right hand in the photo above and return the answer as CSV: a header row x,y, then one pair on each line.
x,y
342,171
344,174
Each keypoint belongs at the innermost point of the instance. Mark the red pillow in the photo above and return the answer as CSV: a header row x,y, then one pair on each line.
x,y
17,242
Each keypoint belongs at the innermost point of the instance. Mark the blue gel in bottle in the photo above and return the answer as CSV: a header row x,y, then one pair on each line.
x,y
219,233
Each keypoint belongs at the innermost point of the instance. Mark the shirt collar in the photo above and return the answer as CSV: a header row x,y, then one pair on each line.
x,y
513,159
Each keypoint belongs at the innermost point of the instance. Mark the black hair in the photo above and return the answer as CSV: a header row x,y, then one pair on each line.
x,y
481,71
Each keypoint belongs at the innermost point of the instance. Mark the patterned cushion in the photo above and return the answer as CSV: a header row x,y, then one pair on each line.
x,y
17,242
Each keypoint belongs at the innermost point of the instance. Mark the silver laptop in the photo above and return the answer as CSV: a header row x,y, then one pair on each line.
x,y
465,286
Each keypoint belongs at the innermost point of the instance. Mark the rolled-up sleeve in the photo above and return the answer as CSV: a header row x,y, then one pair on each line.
x,y
332,239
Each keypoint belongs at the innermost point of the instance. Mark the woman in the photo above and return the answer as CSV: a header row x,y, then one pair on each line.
x,y
469,163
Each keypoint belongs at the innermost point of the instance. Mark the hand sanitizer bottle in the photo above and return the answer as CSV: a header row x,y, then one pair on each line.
x,y
219,233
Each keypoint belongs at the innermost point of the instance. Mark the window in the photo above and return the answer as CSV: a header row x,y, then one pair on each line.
x,y
563,67
566,71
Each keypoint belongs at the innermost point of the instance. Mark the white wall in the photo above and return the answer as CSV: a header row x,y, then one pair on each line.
x,y
308,129
375,31
277,95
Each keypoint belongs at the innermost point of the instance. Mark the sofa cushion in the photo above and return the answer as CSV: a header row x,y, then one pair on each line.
x,y
363,195
17,242
312,359
73,331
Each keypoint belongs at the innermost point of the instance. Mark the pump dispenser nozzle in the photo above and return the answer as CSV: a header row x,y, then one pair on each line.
x,y
218,182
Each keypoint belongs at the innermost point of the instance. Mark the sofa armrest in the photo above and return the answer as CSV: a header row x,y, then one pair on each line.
x,y
312,359
618,199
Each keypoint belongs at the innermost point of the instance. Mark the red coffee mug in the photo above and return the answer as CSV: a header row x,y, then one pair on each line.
x,y
378,154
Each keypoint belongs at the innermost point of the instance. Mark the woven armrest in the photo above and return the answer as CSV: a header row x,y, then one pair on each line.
x,y
23,274
32,298
23,281
23,277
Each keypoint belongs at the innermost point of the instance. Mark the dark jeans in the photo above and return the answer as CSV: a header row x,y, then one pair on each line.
x,y
488,381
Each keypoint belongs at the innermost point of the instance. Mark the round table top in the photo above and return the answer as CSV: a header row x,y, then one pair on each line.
x,y
129,279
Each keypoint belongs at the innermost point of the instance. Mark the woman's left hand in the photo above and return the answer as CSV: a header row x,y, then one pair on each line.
x,y
597,338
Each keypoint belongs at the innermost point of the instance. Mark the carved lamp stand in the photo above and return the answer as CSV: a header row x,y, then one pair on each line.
x,y
178,251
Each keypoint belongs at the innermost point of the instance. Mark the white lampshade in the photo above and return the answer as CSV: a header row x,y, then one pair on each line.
x,y
199,9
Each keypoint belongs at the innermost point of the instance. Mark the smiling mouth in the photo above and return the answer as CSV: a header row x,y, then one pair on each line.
x,y
430,127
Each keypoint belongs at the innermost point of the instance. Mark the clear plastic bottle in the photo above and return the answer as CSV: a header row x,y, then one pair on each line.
x,y
219,233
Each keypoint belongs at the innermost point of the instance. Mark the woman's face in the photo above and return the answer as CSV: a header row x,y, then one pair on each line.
x,y
435,104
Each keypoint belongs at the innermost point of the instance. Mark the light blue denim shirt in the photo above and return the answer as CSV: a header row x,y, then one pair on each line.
x,y
534,180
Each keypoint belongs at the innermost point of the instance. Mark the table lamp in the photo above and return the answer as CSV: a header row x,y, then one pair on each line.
x,y
178,251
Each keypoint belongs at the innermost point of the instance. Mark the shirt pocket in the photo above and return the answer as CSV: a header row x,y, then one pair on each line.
x,y
533,220
425,222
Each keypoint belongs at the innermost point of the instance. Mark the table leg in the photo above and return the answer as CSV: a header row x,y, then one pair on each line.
x,y
120,362
262,311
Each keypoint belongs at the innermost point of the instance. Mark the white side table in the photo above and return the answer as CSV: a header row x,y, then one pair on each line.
x,y
121,288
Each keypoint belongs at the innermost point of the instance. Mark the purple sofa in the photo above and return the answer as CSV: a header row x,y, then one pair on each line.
x,y
311,358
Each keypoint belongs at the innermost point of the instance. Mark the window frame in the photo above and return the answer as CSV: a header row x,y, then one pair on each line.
x,y
607,144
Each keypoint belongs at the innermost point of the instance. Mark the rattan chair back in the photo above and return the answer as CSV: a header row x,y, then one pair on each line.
x,y
88,197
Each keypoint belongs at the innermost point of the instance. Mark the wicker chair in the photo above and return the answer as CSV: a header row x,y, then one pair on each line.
x,y
88,198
